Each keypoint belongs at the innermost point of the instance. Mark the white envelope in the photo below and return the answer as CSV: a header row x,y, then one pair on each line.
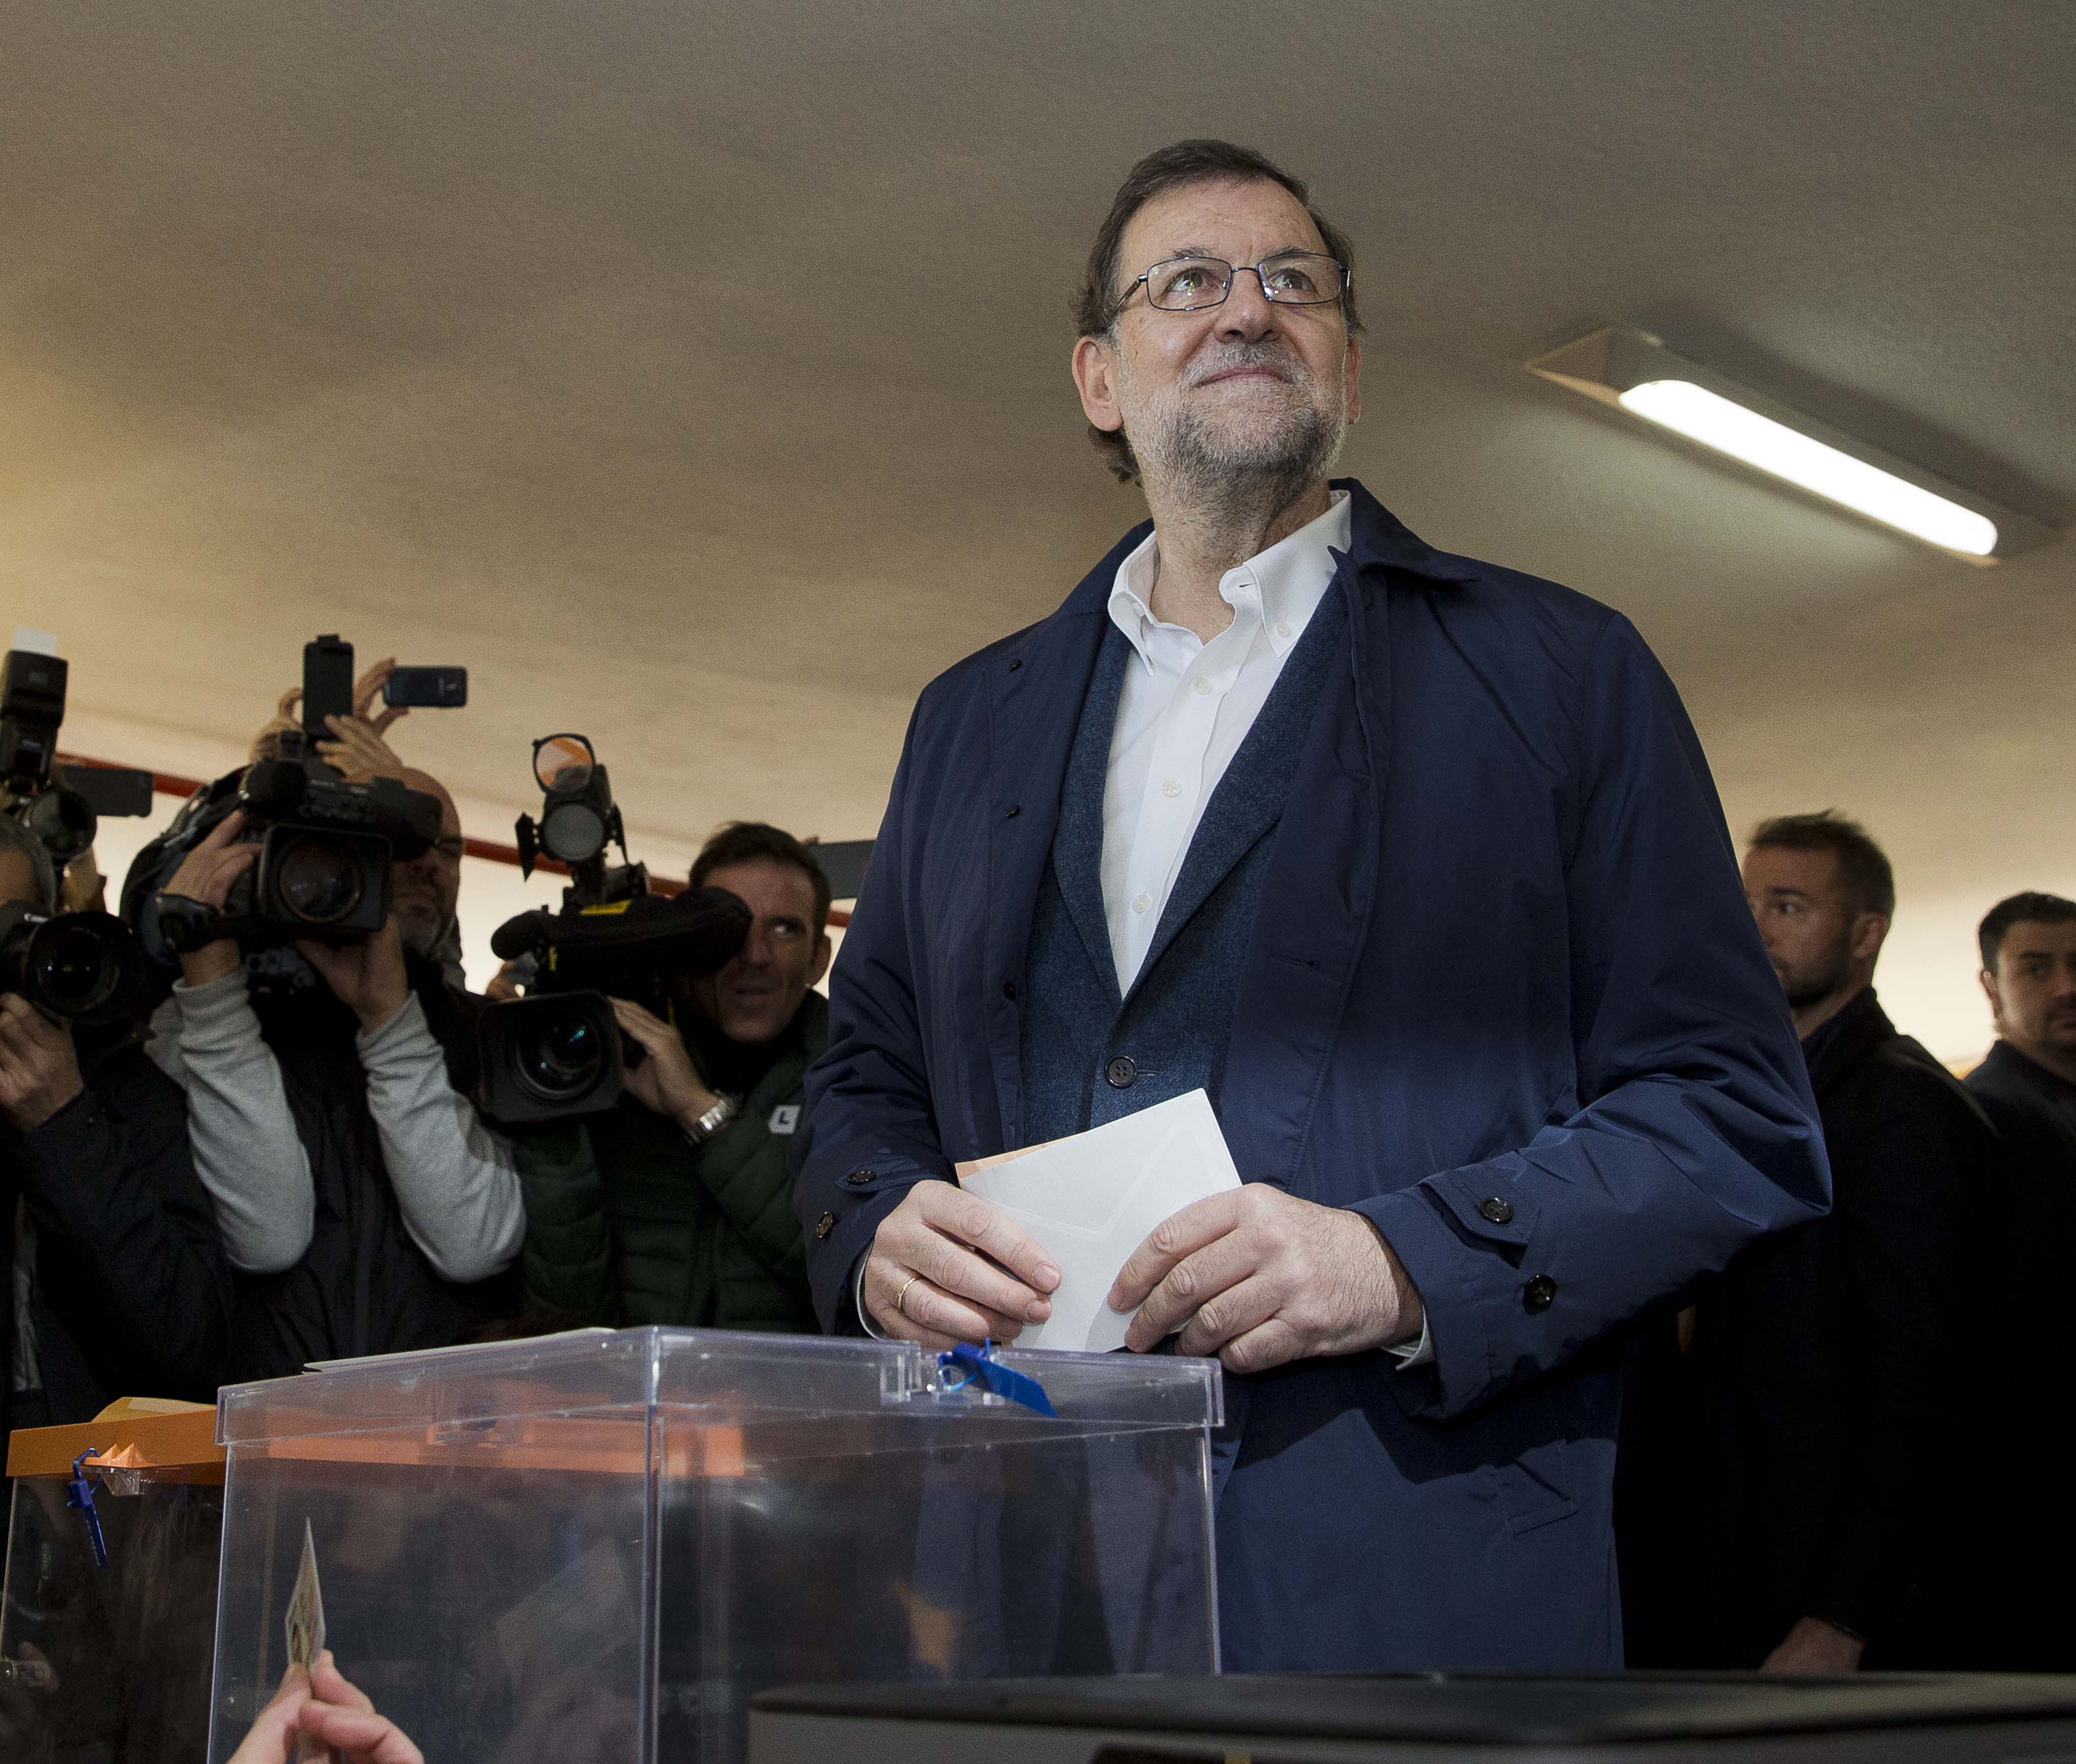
x,y
1091,1199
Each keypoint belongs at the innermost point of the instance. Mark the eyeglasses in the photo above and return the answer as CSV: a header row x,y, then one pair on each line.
x,y
1190,284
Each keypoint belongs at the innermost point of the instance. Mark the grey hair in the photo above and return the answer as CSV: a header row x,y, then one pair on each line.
x,y
14,835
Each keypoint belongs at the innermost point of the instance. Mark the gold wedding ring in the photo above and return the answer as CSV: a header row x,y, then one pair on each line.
x,y
901,1298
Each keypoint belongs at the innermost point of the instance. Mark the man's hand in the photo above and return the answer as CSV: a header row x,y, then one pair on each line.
x,y
366,976
39,1070
367,689
205,875
318,1717
945,1267
666,1080
1259,1277
1815,1649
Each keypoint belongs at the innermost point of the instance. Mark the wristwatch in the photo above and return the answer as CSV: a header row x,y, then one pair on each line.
x,y
710,1123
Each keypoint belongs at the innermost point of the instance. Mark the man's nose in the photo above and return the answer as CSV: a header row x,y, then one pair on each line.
x,y
1248,312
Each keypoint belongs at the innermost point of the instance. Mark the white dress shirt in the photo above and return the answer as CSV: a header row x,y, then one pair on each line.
x,y
1184,708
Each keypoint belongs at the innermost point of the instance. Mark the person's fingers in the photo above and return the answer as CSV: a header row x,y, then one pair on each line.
x,y
224,832
1179,1235
1195,1281
969,1219
284,706
909,1304
964,1277
1271,1343
271,1737
368,687
360,1735
651,1031
1241,1305
395,713
332,1686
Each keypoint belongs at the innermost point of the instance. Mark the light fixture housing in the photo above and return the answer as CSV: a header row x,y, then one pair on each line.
x,y
1633,372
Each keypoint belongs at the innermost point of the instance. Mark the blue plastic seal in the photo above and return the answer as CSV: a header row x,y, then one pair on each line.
x,y
79,1492
980,1364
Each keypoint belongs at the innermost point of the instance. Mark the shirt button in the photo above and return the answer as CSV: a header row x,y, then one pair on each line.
x,y
1200,686
1499,1212
824,1225
1120,1073
1539,1294
1283,628
1173,787
1140,903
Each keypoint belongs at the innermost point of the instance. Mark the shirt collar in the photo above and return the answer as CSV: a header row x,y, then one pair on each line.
x,y
1289,579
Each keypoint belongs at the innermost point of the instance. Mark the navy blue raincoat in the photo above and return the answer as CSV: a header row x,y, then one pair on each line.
x,y
1505,997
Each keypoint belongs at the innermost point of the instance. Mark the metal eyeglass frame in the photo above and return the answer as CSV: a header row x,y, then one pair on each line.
x,y
1143,279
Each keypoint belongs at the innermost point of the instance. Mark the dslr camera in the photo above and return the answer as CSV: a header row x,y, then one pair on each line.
x,y
84,968
559,1051
326,846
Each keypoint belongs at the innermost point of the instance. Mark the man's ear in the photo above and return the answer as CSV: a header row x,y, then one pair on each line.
x,y
1094,369
1354,378
824,950
1869,930
1996,999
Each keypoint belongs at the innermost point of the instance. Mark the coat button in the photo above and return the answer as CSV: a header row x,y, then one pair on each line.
x,y
1499,1212
1009,990
1120,1073
1015,664
860,1179
823,1226
1012,811
1538,1293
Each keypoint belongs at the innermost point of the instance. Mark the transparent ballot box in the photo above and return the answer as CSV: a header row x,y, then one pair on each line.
x,y
594,1549
108,1616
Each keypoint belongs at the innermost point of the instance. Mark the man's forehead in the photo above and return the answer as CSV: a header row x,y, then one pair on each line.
x,y
1786,869
2040,937
1218,215
783,887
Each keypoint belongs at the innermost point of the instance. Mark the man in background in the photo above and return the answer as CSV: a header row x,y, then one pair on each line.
x,y
119,1286
1826,1359
676,1206
367,1206
2027,1088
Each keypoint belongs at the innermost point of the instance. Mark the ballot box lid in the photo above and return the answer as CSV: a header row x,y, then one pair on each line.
x,y
1497,1709
591,1392
158,1440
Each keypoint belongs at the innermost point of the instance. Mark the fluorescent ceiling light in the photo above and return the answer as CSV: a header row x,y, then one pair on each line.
x,y
1700,415
1633,372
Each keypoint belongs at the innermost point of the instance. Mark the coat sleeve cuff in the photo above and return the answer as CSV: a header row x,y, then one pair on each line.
x,y
1437,1261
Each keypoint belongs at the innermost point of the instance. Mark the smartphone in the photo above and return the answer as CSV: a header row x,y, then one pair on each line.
x,y
327,684
435,688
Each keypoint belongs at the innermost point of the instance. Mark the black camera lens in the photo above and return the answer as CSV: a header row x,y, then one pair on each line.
x,y
83,966
65,821
573,833
318,882
561,1060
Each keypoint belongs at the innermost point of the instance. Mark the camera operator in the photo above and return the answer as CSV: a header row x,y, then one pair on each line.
x,y
369,1207
676,1206
118,1283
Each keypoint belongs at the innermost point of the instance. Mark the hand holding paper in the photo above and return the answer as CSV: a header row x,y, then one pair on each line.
x,y
1091,1200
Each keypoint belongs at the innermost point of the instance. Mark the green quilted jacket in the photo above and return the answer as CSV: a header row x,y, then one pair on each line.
x,y
627,1223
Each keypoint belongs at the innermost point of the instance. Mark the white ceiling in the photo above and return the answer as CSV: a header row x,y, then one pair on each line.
x,y
416,322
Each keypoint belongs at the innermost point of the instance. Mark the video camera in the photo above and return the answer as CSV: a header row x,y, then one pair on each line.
x,y
84,967
559,1051
326,846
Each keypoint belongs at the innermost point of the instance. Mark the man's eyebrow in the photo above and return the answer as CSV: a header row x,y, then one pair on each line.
x,y
1797,893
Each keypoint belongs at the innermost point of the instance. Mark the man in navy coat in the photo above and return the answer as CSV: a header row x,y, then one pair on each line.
x,y
1414,863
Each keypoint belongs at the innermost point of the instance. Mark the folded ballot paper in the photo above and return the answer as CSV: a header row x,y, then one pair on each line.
x,y
1091,1199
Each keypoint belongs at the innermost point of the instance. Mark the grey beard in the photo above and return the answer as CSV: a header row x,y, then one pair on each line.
x,y
1239,482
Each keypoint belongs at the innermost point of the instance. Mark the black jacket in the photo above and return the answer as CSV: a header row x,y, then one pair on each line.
x,y
1827,1360
132,1290
363,1286
2034,1111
